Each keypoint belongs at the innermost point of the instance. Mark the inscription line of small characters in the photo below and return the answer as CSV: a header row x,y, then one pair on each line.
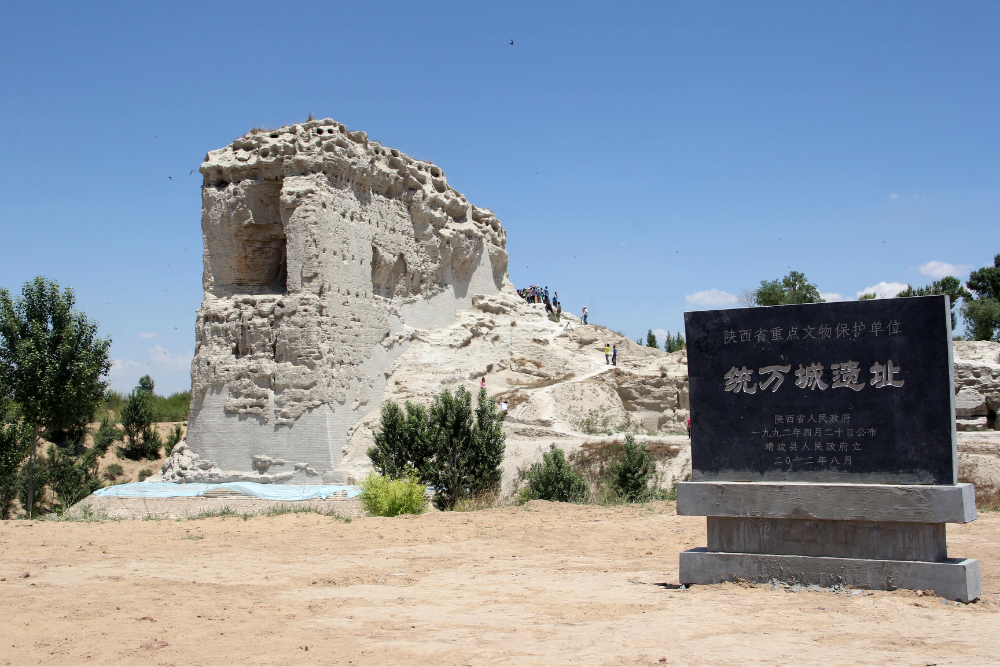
x,y
842,330
820,460
846,375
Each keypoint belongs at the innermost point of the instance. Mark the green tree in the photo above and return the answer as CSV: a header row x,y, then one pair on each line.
x,y
51,361
950,286
553,479
466,447
489,443
142,440
981,309
629,473
651,339
72,479
15,441
792,289
455,449
402,441
868,296
674,342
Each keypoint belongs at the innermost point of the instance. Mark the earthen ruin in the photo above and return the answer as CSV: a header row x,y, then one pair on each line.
x,y
324,252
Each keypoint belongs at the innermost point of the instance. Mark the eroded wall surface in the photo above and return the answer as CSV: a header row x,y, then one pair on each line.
x,y
324,254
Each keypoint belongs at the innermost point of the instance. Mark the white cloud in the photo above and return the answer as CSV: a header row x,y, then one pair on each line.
x,y
893,196
711,297
160,357
884,290
122,369
832,296
172,369
148,334
938,270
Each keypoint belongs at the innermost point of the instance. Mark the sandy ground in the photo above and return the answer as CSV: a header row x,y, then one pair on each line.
x,y
540,584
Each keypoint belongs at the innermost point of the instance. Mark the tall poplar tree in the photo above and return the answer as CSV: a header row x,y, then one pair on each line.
x,y
51,361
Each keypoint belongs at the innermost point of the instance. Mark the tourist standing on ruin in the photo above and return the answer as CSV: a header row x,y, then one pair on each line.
x,y
584,314
607,354
482,382
614,356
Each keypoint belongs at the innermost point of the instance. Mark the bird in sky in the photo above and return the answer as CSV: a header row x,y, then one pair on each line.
x,y
170,177
512,42
190,172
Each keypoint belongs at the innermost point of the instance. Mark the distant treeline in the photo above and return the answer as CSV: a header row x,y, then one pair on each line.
x,y
172,408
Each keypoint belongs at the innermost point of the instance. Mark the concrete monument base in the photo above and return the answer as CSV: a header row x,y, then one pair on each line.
x,y
877,536
953,578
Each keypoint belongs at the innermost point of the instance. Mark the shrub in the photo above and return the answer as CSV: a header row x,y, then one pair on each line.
x,y
629,473
383,496
141,439
71,480
106,433
552,478
173,408
456,450
175,436
113,471
402,441
113,400
15,442
144,473
466,447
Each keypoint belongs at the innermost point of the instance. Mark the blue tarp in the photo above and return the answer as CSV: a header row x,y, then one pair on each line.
x,y
288,492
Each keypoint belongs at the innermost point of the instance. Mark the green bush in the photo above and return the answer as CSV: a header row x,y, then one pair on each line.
x,y
15,442
113,471
553,479
466,447
383,496
71,479
630,472
144,473
453,448
402,441
175,436
172,408
113,400
142,441
106,433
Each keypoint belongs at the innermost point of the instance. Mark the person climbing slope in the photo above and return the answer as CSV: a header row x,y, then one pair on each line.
x,y
614,356
607,354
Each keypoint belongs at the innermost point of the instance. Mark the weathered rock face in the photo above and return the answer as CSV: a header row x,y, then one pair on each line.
x,y
324,254
977,382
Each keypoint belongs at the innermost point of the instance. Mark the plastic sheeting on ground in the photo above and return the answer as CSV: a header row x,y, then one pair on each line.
x,y
286,492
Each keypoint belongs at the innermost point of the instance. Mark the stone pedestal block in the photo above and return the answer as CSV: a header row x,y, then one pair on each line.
x,y
876,536
953,578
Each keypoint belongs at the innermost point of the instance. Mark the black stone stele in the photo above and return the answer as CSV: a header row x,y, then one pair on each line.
x,y
854,392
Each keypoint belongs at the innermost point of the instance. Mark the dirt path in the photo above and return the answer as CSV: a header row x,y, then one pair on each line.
x,y
540,584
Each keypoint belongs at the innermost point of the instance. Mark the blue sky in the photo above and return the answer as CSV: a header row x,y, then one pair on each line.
x,y
645,158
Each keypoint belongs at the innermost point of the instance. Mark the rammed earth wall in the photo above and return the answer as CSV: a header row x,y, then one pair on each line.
x,y
324,253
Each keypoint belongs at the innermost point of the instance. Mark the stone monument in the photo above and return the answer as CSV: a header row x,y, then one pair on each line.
x,y
823,446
